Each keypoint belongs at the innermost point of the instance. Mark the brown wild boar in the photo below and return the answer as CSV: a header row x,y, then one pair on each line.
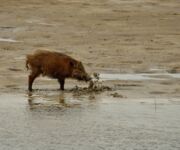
x,y
54,65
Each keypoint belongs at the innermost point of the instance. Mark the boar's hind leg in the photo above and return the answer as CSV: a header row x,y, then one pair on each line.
x,y
32,76
61,82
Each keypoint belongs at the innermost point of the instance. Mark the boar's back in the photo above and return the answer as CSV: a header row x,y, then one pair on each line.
x,y
52,64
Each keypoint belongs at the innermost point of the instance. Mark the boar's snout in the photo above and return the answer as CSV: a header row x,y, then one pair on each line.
x,y
81,76
79,72
88,78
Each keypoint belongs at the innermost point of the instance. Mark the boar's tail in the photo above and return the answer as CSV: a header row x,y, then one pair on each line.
x,y
27,62
27,65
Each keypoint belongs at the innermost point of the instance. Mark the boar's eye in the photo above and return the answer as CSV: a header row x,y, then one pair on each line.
x,y
71,64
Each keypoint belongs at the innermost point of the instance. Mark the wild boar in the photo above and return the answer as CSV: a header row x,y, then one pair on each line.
x,y
54,65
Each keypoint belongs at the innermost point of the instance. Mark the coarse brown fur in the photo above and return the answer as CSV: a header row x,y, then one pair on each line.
x,y
55,65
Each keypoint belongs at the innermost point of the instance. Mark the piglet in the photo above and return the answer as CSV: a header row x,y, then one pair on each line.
x,y
54,65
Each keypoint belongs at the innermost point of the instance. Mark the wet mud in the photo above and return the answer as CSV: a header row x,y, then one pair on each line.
x,y
95,86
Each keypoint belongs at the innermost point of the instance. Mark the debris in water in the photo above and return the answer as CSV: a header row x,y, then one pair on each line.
x,y
95,86
117,95
174,70
96,75
91,97
14,69
91,84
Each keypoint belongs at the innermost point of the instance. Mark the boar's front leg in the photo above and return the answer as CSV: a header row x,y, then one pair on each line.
x,y
61,82
35,73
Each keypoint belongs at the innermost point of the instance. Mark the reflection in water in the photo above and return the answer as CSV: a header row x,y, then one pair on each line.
x,y
62,99
54,100
44,101
30,99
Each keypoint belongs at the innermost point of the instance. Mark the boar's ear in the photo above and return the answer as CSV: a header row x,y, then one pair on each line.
x,y
79,64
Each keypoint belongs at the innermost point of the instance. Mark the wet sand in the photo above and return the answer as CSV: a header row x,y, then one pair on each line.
x,y
134,45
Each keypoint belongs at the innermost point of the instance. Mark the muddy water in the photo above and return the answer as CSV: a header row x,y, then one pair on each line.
x,y
60,120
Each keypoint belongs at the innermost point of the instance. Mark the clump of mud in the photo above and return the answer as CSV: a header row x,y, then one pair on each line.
x,y
174,70
117,95
95,86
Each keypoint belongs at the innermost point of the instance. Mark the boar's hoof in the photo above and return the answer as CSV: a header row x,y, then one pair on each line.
x,y
30,89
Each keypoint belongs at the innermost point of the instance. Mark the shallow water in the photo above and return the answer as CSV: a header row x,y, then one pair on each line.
x,y
39,22
59,120
140,76
7,40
